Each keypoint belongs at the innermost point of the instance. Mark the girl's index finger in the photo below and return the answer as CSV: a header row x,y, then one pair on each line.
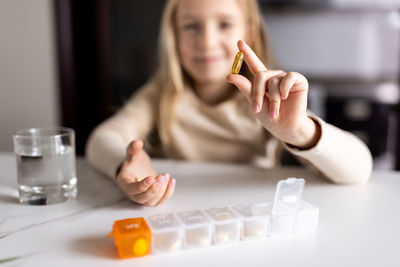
x,y
254,63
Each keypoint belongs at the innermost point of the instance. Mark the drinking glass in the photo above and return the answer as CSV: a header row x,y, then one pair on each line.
x,y
45,165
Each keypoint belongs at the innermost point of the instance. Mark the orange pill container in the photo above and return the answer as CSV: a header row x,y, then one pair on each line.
x,y
132,237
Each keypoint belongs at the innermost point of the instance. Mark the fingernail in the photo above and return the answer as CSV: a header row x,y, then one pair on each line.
x,y
167,175
256,107
149,181
271,113
173,182
161,179
274,114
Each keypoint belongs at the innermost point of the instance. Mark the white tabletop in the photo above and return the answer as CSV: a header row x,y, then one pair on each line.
x,y
359,225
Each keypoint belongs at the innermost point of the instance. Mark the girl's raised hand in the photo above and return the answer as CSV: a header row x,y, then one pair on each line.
x,y
279,99
139,181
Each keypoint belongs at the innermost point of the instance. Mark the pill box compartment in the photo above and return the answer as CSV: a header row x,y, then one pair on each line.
x,y
167,232
197,228
307,217
289,194
282,222
289,212
255,223
132,237
226,225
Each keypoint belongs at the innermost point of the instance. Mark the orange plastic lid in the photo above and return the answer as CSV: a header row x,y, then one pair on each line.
x,y
132,237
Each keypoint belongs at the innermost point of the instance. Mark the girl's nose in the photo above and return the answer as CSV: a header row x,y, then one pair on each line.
x,y
209,36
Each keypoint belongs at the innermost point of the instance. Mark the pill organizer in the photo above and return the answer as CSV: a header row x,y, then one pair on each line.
x,y
197,228
282,221
255,222
132,237
287,214
226,225
290,213
166,232
307,217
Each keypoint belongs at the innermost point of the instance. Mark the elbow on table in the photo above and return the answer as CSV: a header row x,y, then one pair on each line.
x,y
359,173
89,150
94,149
353,179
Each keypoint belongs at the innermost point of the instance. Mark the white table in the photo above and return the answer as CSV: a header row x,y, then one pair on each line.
x,y
359,225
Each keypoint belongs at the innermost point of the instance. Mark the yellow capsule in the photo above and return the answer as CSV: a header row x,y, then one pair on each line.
x,y
237,63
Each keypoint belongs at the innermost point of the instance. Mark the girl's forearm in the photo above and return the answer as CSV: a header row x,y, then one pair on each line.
x,y
308,135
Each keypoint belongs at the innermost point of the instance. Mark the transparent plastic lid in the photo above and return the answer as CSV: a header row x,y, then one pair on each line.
x,y
264,207
221,214
288,192
163,222
193,217
247,210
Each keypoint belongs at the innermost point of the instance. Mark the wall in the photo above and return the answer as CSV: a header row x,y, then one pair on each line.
x,y
358,44
28,83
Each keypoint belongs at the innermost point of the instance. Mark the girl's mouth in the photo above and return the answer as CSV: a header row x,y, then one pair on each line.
x,y
207,59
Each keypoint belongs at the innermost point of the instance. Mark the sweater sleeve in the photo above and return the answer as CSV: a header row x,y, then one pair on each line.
x,y
106,146
338,155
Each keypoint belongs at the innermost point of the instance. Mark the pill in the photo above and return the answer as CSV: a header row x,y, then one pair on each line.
x,y
237,63
141,247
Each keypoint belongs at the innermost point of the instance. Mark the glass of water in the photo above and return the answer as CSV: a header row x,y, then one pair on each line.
x,y
46,165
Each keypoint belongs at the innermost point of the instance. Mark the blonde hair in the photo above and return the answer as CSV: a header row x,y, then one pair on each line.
x,y
170,78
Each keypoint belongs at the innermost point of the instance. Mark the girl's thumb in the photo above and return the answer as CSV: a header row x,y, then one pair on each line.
x,y
134,148
242,83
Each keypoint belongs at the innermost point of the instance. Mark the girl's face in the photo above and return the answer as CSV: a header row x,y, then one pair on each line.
x,y
208,32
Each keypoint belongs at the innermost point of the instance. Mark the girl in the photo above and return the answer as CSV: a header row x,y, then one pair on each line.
x,y
190,109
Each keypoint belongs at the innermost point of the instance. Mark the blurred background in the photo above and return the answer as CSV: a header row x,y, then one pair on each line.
x,y
74,63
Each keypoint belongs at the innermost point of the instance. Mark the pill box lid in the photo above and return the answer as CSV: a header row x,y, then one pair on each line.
x,y
163,222
193,217
247,210
305,206
221,214
129,227
288,192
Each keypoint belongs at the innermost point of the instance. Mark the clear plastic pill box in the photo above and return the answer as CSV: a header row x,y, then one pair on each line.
x,y
289,193
307,217
197,228
287,214
166,231
282,221
255,222
226,225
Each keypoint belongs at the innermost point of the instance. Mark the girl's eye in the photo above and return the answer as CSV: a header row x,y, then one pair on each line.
x,y
191,26
225,25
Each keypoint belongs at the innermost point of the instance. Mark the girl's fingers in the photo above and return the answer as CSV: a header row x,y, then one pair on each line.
x,y
274,97
292,82
260,87
276,84
242,83
125,177
134,148
163,186
251,59
136,188
261,77
286,84
168,193
148,195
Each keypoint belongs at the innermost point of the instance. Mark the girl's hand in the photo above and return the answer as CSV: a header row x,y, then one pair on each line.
x,y
279,99
139,181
